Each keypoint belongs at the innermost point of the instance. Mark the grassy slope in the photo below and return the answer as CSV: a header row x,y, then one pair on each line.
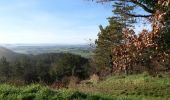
x,y
38,92
135,87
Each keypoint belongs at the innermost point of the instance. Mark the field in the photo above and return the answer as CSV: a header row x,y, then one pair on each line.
x,y
134,87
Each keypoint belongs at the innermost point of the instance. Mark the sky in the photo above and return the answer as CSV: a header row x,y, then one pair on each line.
x,y
51,21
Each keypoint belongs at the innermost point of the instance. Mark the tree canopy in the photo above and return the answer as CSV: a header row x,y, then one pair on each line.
x,y
143,50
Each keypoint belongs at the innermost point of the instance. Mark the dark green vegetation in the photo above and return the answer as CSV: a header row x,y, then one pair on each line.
x,y
108,38
44,68
38,92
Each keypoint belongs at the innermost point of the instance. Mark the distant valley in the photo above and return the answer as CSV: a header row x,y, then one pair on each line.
x,y
83,50
9,54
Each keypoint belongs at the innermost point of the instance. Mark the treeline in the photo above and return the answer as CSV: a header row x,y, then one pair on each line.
x,y
44,68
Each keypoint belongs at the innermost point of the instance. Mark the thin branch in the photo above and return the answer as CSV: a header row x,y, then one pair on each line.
x,y
143,6
133,15
132,1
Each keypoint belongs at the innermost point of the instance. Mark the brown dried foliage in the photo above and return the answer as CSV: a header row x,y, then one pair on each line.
x,y
129,56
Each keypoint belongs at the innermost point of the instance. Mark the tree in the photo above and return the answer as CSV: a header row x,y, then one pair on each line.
x,y
70,65
18,70
42,70
149,6
144,47
5,69
108,37
130,8
29,72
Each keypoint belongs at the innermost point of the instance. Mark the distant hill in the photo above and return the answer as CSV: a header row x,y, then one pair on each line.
x,y
8,54
83,50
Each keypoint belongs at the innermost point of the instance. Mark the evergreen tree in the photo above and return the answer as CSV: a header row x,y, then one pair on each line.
x,y
108,38
29,73
42,70
18,70
70,65
5,69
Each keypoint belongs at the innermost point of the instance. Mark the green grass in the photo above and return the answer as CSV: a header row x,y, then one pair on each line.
x,y
133,87
38,92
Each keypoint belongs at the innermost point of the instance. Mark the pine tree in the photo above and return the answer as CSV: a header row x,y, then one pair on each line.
x,y
5,69
108,37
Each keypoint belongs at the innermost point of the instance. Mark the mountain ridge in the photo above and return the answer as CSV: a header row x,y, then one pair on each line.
x,y
8,54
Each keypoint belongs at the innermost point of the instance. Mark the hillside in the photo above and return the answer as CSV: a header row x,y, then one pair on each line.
x,y
132,87
8,54
83,50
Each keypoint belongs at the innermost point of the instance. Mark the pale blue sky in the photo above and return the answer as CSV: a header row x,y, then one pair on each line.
x,y
51,21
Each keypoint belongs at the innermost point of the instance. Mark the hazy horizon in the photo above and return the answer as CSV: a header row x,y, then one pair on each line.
x,y
43,43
